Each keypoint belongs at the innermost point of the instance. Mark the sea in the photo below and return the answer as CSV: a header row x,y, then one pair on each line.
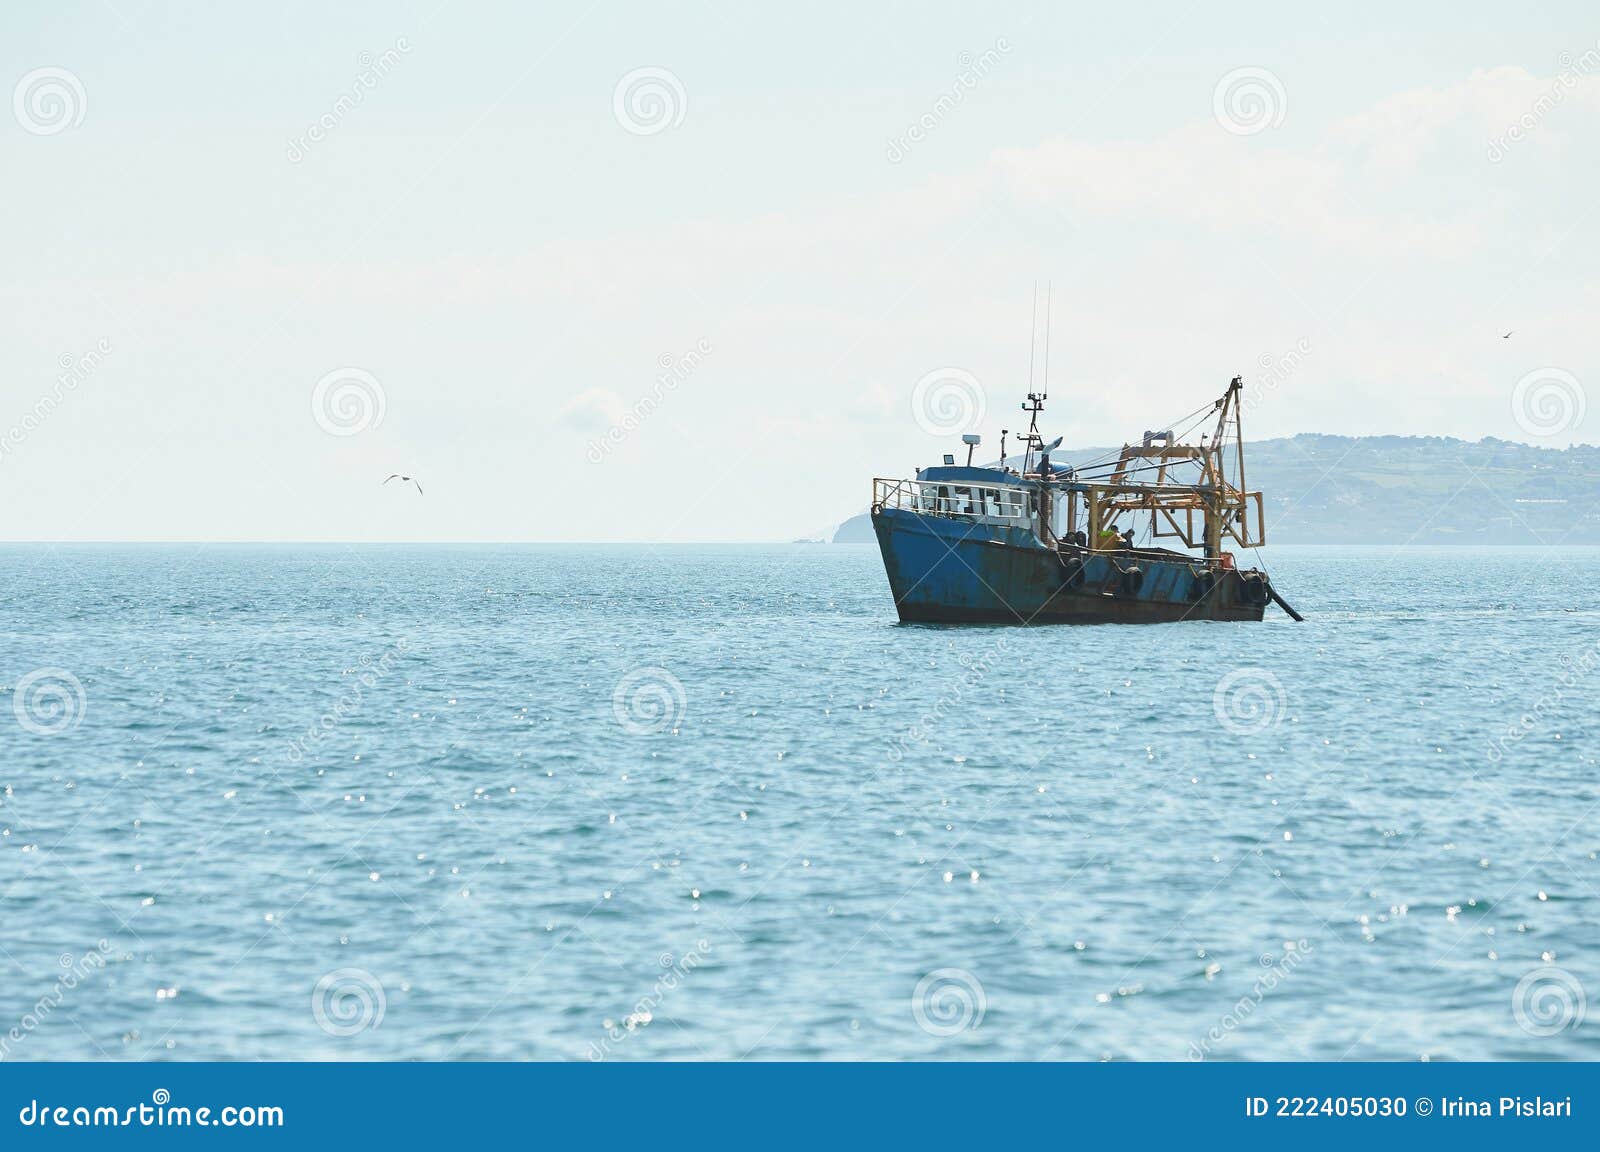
x,y
325,802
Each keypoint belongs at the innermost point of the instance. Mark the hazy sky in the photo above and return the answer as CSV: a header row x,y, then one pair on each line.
x,y
289,249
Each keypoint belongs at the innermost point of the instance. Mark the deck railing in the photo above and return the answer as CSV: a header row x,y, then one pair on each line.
x,y
944,498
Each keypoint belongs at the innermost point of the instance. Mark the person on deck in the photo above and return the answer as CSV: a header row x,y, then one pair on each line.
x,y
1108,540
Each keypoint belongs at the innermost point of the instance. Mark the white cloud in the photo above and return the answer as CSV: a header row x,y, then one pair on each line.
x,y
595,406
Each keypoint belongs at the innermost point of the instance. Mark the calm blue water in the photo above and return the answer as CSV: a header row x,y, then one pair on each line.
x,y
584,802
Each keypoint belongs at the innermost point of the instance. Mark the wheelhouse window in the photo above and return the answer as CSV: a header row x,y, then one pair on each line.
x,y
970,500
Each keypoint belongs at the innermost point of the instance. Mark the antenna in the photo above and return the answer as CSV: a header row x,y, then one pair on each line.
x,y
1031,441
1033,331
1047,286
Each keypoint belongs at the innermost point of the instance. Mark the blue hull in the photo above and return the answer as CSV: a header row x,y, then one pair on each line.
x,y
948,570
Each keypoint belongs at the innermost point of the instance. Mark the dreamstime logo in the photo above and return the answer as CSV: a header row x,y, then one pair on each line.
x,y
649,100
1248,701
973,69
1548,1000
1249,100
347,1001
373,69
75,370
49,701
1275,970
1275,372
155,1114
371,673
1548,401
1567,80
648,700
1573,673
676,970
947,401
75,970
347,401
624,421
973,670
49,100
948,1001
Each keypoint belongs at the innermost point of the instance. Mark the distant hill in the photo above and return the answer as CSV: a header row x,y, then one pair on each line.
x,y
1400,489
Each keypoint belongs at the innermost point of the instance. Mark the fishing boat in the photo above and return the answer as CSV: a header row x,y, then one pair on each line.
x,y
1043,542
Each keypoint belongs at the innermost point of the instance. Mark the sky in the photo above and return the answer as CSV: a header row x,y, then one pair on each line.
x,y
699,271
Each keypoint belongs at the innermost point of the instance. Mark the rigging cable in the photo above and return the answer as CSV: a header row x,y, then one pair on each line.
x,y
1199,415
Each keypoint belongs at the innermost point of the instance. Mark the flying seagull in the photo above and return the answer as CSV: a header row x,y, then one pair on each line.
x,y
404,480
1507,336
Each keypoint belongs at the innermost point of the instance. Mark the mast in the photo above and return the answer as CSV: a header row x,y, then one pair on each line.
x,y
1217,498
1033,405
1238,432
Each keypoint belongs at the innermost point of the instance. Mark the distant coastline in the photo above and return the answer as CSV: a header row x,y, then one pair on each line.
x,y
1407,490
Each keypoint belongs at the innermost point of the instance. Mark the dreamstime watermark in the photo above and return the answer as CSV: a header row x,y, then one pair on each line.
x,y
347,1001
974,669
373,69
1574,672
647,701
1248,701
159,1113
1275,373
675,971
1548,402
48,101
948,400
49,701
973,69
75,370
1547,1001
74,970
674,371
649,100
1249,100
948,1001
1572,72
347,401
1277,970
372,672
